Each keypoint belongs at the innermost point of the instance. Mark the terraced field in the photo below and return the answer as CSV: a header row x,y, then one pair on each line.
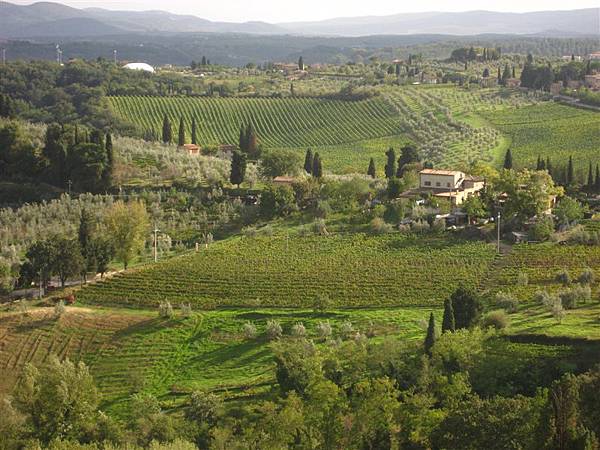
x,y
291,122
551,130
352,270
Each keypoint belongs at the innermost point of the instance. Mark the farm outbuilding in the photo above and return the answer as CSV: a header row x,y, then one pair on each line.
x,y
139,66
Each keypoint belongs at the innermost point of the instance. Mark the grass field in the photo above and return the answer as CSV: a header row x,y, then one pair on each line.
x,y
551,130
130,351
352,270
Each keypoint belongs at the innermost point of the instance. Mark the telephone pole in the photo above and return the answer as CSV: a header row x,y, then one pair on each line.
x,y
498,220
115,56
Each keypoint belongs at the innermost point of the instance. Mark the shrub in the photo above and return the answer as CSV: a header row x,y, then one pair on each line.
x,y
563,277
319,227
322,303
249,330
59,309
570,298
379,226
324,329
250,232
186,309
544,298
541,230
438,226
298,330
496,319
420,226
274,330
346,329
522,279
507,302
587,276
165,310
558,311
204,407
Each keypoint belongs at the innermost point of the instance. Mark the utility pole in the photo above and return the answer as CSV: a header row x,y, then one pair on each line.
x,y
115,56
70,183
498,220
156,231
3,56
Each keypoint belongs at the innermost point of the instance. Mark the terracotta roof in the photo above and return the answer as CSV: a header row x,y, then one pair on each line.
x,y
440,172
190,146
284,179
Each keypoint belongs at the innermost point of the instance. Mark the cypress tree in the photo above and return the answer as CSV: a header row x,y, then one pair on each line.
x,y
317,171
251,142
499,76
371,170
542,164
448,323
466,306
194,137
243,144
390,167
430,338
513,72
597,182
549,167
590,179
238,168
308,161
167,132
181,139
570,172
508,162
84,236
538,165
110,160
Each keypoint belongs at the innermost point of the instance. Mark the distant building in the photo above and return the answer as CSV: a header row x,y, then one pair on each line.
x,y
191,149
512,83
555,88
139,66
595,55
572,58
488,82
284,181
452,185
593,81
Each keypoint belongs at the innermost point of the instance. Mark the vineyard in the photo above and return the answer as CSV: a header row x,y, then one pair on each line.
x,y
290,122
551,130
353,270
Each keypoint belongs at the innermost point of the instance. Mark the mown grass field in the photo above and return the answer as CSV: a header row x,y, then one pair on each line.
x,y
354,270
551,130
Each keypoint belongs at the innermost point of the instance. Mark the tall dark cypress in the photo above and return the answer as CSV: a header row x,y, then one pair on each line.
x,y
243,144
570,172
317,170
238,168
167,132
448,323
597,182
371,170
430,338
538,165
181,139
110,161
308,161
508,162
590,179
390,167
194,137
549,167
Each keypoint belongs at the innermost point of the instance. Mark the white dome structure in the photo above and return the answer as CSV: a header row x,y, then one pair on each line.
x,y
139,66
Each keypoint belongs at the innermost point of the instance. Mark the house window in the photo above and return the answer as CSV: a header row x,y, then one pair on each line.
x,y
438,184
427,183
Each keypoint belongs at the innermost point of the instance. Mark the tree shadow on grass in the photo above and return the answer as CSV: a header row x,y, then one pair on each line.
x,y
255,315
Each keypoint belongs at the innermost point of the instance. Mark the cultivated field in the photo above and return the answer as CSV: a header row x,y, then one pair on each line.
x,y
351,270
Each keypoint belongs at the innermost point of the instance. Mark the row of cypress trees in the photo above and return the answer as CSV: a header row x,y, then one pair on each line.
x,y
313,164
167,131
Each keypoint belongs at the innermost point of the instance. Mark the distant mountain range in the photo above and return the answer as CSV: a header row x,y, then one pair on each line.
x,y
49,19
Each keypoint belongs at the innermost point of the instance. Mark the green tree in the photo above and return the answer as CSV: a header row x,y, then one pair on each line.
x,y
570,172
181,137
301,63
597,182
408,155
109,166
127,225
238,168
68,261
317,170
568,210
431,335
167,131
277,201
41,256
448,323
308,161
473,207
390,166
275,163
55,153
84,236
467,307
508,161
243,142
590,179
371,170
104,251
59,401
87,166
394,188
194,131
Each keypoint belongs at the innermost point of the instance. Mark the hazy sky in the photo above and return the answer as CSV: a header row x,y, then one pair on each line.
x,y
299,10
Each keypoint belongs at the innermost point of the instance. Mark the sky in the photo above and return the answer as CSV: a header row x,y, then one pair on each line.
x,y
301,10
